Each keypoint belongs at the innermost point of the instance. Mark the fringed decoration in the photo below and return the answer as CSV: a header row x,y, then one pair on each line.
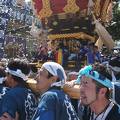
x,y
71,7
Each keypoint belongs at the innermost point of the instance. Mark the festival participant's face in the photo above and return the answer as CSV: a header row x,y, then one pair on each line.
x,y
87,91
43,81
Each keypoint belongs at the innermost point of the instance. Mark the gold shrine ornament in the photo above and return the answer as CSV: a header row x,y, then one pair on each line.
x,y
104,10
97,7
71,7
71,35
46,10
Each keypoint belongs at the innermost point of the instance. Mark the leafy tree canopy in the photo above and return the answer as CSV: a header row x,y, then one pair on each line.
x,y
114,28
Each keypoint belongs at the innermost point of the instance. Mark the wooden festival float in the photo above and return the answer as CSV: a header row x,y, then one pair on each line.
x,y
72,22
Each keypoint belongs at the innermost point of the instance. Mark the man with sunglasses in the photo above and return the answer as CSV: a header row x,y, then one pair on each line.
x,y
54,104
95,94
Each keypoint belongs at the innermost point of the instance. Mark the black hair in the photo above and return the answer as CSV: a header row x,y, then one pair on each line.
x,y
50,75
101,69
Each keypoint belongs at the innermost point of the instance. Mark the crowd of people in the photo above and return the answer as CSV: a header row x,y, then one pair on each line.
x,y
87,53
18,101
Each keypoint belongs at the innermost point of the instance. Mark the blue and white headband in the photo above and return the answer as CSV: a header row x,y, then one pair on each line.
x,y
89,72
17,73
56,70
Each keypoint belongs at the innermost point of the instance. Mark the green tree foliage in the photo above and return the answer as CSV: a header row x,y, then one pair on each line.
x,y
114,28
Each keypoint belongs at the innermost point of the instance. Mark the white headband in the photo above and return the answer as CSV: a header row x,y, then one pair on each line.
x,y
2,79
17,73
56,70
